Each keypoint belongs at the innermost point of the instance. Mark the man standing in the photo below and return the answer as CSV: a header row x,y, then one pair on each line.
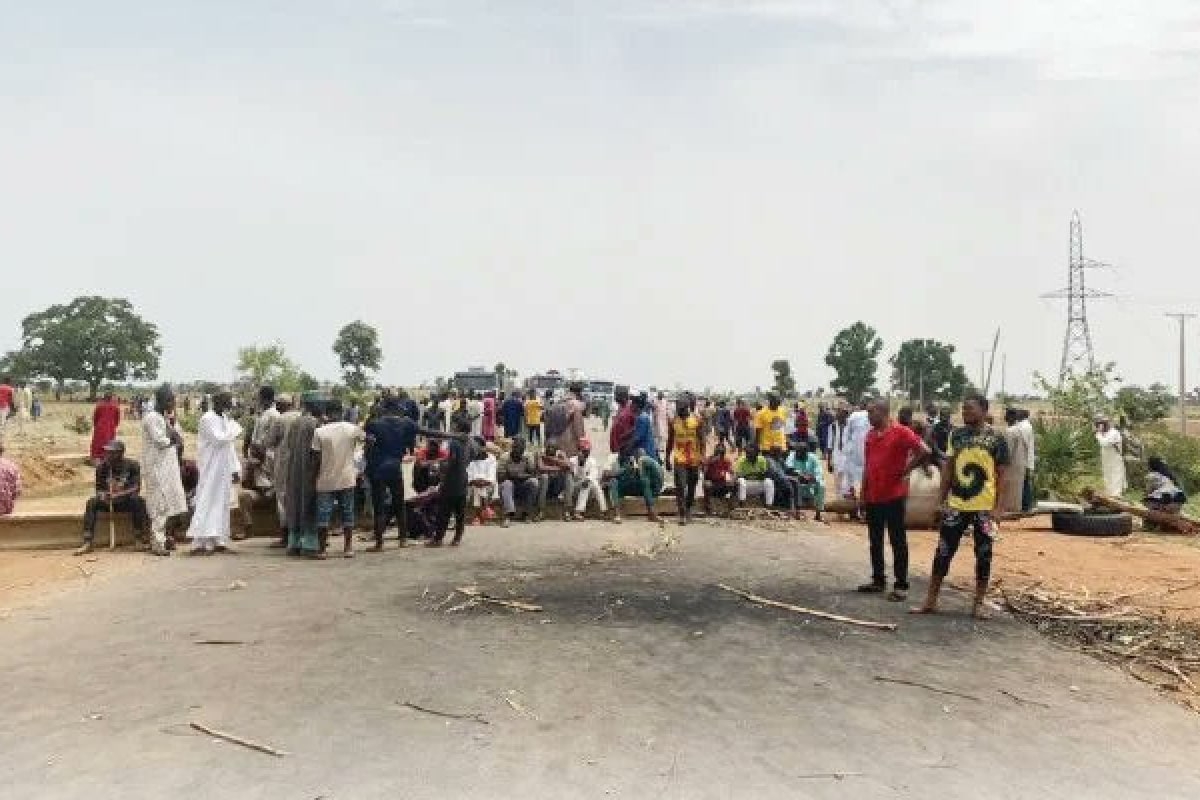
x,y
769,429
118,489
512,415
620,436
854,454
335,443
973,470
661,415
216,491
106,418
533,418
162,449
723,423
452,491
891,452
276,441
1012,491
390,436
1112,461
10,483
299,463
685,447
6,400
261,433
1030,439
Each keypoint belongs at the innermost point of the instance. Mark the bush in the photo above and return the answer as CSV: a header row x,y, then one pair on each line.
x,y
80,424
1068,458
1182,454
189,422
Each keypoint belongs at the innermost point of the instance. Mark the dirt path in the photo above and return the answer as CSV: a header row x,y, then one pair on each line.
x,y
639,679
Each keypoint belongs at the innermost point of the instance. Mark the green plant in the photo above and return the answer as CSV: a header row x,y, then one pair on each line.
x,y
1182,454
189,422
80,424
1068,457
1080,397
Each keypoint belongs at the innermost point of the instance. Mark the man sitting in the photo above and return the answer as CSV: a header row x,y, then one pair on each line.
x,y
718,478
518,476
640,476
586,472
805,468
10,483
753,479
481,481
118,489
557,480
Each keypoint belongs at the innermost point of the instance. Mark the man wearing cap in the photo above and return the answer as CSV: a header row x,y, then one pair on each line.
x,y
118,489
1112,461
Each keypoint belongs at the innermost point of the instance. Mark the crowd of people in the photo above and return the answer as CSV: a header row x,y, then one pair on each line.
x,y
508,457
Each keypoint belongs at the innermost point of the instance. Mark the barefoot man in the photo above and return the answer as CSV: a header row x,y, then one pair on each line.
x,y
973,470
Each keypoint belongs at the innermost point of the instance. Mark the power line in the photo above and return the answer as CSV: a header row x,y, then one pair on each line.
x,y
1183,318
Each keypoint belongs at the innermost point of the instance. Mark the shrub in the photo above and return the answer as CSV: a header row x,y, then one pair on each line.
x,y
1182,454
80,424
189,422
1068,457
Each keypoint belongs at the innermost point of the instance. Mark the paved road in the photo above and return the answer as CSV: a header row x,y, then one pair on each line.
x,y
640,680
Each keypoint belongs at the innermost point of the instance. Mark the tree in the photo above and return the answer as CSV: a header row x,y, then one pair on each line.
x,y
305,382
925,369
267,366
91,339
785,384
853,355
1080,397
357,349
1140,406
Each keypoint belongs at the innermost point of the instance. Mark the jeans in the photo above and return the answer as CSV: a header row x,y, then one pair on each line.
x,y
554,485
344,499
813,493
685,488
387,501
523,490
133,504
888,515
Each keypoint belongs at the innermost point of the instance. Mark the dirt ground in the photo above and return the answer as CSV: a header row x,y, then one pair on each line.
x,y
639,678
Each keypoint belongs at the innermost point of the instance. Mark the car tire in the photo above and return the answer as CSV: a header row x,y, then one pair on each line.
x,y
1108,524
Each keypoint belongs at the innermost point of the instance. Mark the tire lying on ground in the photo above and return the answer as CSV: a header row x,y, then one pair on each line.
x,y
1088,524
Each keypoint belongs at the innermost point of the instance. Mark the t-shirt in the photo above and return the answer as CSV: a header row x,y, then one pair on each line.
x,y
975,454
336,442
389,438
512,414
770,425
888,453
741,416
6,397
754,470
687,450
533,412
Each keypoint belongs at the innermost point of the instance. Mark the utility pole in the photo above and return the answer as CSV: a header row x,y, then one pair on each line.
x,y
1004,374
1183,318
982,369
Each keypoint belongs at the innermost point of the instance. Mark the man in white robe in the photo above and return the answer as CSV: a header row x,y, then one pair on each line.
x,y
162,486
1112,460
218,465
854,457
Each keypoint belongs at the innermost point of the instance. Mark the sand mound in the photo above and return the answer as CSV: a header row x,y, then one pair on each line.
x,y
37,472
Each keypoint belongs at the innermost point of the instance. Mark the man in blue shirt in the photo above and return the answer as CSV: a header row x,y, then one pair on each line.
x,y
512,415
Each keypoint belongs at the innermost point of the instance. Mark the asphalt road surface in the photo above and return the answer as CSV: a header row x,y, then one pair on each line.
x,y
639,679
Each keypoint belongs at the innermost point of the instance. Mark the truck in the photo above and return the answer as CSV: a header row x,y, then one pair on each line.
x,y
476,379
551,381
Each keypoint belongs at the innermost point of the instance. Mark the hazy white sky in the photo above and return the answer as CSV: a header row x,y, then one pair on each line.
x,y
656,191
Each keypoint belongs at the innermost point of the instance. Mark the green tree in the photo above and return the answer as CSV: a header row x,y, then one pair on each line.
x,y
785,383
305,382
357,349
853,356
267,366
1080,396
1140,406
91,339
17,365
924,369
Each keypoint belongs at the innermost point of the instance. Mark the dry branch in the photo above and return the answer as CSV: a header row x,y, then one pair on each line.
x,y
763,601
447,714
229,737
927,687
1179,523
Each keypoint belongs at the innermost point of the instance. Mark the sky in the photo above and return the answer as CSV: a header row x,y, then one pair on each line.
x,y
660,192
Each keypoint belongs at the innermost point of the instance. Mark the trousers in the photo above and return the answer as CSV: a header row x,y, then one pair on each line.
x,y
134,505
889,515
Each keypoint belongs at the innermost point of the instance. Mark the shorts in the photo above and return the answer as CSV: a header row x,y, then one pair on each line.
x,y
344,498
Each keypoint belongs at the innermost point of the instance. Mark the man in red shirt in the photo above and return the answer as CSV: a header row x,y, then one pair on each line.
x,y
6,399
892,451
